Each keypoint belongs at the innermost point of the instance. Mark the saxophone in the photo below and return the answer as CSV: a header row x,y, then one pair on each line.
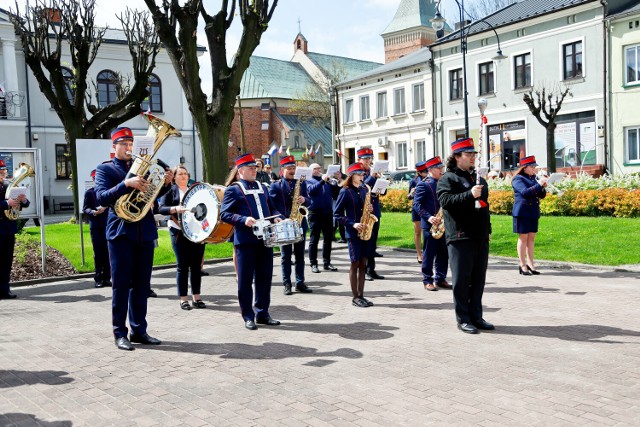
x,y
25,171
298,211
437,231
368,219
134,206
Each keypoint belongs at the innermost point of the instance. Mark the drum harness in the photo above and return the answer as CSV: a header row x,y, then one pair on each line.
x,y
262,222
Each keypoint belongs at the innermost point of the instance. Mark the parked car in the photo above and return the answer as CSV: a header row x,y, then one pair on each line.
x,y
399,176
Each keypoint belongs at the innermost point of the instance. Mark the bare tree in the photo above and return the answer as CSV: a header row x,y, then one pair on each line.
x,y
314,100
53,30
545,105
177,27
481,8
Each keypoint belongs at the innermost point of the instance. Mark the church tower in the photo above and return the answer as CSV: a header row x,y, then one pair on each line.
x,y
410,29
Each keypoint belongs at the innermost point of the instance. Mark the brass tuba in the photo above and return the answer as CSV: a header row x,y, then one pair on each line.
x,y
134,206
25,171
298,211
368,219
437,231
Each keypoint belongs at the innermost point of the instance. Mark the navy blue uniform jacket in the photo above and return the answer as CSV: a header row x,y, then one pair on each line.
x,y
90,205
527,195
109,188
236,208
425,201
375,199
281,195
348,210
321,194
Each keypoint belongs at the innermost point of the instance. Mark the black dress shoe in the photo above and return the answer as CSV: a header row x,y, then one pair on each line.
x,y
467,328
302,288
251,325
204,273
368,277
287,290
524,272
375,275
152,294
532,271
378,255
484,325
330,267
315,269
144,339
124,344
8,295
268,321
341,241
99,285
107,283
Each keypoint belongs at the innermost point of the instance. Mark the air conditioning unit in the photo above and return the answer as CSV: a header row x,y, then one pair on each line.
x,y
383,141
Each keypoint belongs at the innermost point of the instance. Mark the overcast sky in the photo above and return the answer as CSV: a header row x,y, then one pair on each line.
x,y
337,27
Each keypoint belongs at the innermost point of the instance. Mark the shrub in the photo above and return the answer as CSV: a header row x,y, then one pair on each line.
x,y
396,200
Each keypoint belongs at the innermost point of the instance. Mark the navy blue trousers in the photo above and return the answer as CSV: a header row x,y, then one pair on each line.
x,y
100,255
469,259
131,264
254,262
6,261
188,259
434,254
320,222
298,251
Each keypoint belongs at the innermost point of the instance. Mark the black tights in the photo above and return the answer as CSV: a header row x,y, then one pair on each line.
x,y
356,277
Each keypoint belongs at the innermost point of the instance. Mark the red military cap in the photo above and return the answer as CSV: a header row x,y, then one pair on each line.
x,y
528,161
120,134
355,168
434,162
365,153
3,165
93,173
287,161
246,159
463,145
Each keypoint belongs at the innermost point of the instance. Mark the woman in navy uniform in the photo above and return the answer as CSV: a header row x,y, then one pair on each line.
x,y
131,244
365,158
348,211
281,195
468,229
425,207
526,211
421,174
98,228
244,203
8,230
188,254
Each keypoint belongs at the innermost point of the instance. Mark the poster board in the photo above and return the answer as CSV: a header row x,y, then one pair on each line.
x,y
32,185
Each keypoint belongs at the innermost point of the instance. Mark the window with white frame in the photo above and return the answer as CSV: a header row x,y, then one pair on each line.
x,y
522,70
381,108
348,111
398,101
401,155
632,145
418,97
572,60
455,84
421,150
485,78
632,64
364,108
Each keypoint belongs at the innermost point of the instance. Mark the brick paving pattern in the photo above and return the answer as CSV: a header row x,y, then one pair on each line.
x,y
565,352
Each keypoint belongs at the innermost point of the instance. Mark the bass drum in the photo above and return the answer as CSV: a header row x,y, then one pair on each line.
x,y
201,221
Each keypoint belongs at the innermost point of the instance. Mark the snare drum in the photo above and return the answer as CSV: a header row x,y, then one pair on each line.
x,y
285,232
201,221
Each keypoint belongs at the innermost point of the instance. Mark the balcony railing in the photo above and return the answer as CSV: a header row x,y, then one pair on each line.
x,y
13,105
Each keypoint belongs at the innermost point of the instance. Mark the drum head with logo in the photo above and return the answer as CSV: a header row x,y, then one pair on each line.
x,y
201,216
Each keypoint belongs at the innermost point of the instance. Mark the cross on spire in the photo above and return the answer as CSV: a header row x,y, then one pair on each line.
x,y
299,26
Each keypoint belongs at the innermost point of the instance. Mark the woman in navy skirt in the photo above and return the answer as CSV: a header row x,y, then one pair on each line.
x,y
526,211
421,174
348,212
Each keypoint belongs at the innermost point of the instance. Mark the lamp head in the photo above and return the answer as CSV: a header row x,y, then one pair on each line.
x,y
437,22
499,56
482,105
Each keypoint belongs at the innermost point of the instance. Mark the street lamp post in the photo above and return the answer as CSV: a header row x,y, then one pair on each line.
x,y
438,22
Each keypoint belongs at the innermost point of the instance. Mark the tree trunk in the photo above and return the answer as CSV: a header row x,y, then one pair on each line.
x,y
73,131
551,147
213,131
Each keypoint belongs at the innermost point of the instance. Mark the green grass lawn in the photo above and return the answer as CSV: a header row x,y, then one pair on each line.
x,y
588,240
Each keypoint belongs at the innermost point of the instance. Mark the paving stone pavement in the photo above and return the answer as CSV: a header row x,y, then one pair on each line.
x,y
565,352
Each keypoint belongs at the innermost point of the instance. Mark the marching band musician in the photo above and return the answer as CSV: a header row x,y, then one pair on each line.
x,y
98,228
365,158
526,211
131,244
188,254
348,211
425,207
321,192
468,233
245,204
421,174
281,194
8,230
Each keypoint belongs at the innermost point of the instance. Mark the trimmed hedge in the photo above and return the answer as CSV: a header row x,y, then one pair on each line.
x,y
616,202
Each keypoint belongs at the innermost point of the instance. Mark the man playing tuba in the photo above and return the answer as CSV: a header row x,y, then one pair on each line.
x,y
426,205
8,230
131,244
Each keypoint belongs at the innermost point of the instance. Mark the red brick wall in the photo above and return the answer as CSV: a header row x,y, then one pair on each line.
x,y
393,52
